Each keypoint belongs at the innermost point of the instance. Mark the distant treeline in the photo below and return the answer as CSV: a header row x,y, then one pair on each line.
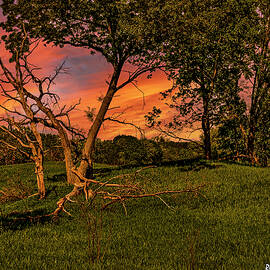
x,y
122,150
128,150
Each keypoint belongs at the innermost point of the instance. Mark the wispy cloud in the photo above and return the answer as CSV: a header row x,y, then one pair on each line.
x,y
86,80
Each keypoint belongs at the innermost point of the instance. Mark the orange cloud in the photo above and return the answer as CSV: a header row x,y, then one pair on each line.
x,y
86,80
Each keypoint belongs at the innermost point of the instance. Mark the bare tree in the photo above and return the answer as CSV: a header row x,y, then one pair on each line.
x,y
22,142
11,86
39,104
43,111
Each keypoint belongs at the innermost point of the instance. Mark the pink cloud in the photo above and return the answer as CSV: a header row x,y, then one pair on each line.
x,y
86,80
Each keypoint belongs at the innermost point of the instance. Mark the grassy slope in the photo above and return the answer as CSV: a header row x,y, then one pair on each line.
x,y
228,230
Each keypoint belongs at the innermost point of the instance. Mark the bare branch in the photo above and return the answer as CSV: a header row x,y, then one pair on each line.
x,y
126,123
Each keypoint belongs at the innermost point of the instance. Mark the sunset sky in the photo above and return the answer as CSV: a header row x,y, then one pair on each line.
x,y
86,80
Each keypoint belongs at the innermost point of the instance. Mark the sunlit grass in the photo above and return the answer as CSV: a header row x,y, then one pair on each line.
x,y
227,228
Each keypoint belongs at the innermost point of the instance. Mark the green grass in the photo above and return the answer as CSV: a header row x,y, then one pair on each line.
x,y
228,229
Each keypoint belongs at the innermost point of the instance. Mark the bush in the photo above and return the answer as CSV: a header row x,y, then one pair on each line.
x,y
127,150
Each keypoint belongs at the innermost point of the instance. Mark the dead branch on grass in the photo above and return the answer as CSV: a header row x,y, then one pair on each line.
x,y
112,193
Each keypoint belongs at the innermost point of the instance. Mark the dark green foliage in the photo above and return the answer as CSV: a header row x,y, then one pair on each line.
x,y
262,142
204,54
127,150
177,151
227,141
230,137
109,27
212,47
11,157
104,152
153,152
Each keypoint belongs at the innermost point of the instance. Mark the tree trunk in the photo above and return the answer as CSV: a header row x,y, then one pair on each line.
x,y
207,139
260,92
38,153
206,127
36,147
39,171
86,164
251,142
71,178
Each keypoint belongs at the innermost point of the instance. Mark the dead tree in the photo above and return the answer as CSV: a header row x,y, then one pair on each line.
x,y
108,29
11,86
31,148
21,84
115,192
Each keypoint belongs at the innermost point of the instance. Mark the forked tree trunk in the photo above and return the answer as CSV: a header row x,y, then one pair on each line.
x,y
71,178
36,147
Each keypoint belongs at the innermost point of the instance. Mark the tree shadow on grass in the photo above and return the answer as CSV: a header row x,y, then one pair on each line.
x,y
243,163
195,164
57,178
20,220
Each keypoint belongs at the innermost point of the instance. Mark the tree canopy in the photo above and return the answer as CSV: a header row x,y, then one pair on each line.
x,y
207,54
108,27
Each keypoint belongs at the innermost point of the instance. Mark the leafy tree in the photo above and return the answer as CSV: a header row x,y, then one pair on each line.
x,y
257,75
205,54
247,126
106,27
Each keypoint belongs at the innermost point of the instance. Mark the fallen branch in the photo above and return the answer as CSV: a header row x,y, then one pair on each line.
x,y
119,194
86,180
114,193
123,197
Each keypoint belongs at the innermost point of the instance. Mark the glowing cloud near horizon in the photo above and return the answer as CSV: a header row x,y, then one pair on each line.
x,y
85,80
